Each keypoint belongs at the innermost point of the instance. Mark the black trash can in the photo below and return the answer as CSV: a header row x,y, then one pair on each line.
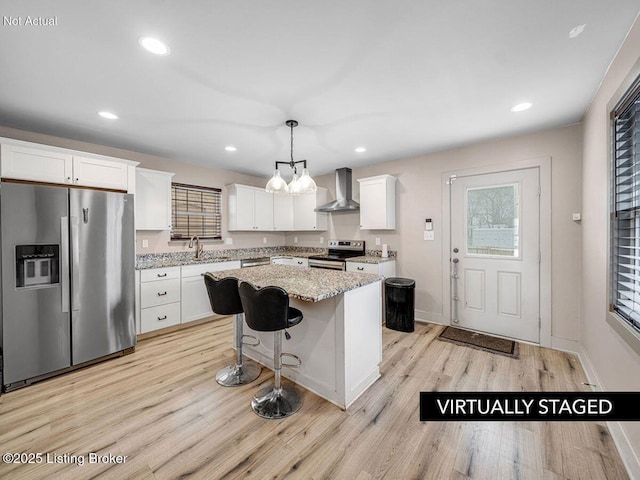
x,y
400,303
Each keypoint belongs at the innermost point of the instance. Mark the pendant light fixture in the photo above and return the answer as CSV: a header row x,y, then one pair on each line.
x,y
298,185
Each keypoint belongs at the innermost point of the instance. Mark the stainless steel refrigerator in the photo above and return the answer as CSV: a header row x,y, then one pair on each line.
x,y
68,260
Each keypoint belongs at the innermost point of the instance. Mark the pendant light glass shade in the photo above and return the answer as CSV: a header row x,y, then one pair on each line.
x,y
293,186
305,183
276,184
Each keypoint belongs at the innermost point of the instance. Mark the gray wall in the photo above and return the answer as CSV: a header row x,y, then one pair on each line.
x,y
419,196
615,364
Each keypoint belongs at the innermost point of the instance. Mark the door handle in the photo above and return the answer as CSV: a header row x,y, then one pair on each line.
x,y
64,263
454,290
75,265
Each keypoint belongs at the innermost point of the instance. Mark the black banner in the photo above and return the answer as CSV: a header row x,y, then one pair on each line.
x,y
535,406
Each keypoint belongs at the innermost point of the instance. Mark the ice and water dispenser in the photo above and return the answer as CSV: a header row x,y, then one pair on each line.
x,y
37,265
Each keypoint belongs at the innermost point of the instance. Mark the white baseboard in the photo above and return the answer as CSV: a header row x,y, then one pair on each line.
x,y
625,449
566,345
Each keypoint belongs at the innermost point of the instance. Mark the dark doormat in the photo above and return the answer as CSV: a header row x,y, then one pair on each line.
x,y
490,344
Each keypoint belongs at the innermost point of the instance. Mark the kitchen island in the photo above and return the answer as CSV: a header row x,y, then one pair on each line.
x,y
340,338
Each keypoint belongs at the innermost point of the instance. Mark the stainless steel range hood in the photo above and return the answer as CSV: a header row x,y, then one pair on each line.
x,y
343,201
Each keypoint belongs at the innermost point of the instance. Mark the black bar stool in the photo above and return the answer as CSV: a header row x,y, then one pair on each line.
x,y
267,310
224,298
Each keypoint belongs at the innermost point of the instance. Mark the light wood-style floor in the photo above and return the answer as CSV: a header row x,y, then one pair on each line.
x,y
163,409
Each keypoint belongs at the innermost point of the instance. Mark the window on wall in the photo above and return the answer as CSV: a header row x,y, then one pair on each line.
x,y
625,214
195,211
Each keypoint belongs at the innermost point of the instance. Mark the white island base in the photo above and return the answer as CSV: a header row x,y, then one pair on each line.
x,y
339,342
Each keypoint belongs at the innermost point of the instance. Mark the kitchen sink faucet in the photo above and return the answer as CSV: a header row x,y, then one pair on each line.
x,y
199,246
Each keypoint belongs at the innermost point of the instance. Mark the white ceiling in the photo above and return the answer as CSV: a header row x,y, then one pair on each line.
x,y
401,78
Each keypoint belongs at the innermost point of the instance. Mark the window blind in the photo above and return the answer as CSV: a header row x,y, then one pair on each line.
x,y
195,211
625,215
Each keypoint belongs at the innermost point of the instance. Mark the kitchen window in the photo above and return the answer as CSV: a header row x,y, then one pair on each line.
x,y
625,211
195,211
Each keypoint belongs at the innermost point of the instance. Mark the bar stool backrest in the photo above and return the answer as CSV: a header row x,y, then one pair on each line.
x,y
265,309
223,295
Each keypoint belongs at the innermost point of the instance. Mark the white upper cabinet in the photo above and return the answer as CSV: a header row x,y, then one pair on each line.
x,y
253,209
24,163
263,209
250,208
94,172
282,212
304,216
41,163
153,199
378,203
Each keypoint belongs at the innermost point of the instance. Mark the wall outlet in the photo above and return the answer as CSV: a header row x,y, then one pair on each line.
x,y
264,239
228,241
145,243
377,240
321,239
295,239
429,235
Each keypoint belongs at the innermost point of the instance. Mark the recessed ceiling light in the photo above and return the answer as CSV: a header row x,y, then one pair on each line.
x,y
230,148
154,45
521,107
360,150
109,115
575,31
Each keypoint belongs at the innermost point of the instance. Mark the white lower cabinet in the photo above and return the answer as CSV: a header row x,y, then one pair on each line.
x,y
174,295
386,269
159,294
195,299
162,316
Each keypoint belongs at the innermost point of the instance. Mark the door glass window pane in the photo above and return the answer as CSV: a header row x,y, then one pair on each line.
x,y
492,221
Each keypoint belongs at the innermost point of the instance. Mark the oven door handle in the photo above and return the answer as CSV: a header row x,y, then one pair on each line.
x,y
329,264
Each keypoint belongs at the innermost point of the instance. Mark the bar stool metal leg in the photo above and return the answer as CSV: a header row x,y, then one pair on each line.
x,y
277,401
241,373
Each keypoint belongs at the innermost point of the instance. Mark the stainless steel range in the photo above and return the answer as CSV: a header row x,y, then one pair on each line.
x,y
339,252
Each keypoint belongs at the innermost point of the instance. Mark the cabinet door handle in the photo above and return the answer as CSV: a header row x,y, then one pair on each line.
x,y
161,275
360,268
77,179
162,294
162,318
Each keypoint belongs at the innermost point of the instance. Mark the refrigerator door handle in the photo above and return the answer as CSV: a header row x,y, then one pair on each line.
x,y
64,262
75,265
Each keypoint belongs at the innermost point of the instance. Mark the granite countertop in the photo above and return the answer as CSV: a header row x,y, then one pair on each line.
x,y
307,284
370,259
177,259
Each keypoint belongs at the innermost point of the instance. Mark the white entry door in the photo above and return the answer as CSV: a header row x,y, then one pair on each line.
x,y
495,253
